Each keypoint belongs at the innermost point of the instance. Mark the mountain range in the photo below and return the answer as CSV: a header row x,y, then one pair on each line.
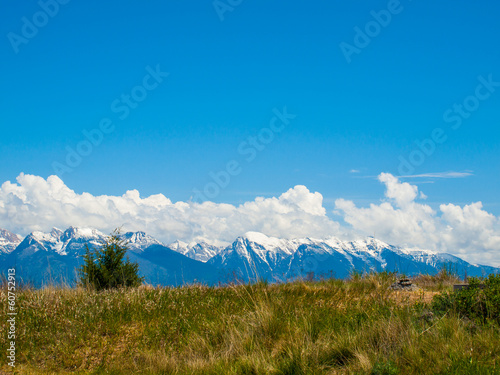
x,y
44,258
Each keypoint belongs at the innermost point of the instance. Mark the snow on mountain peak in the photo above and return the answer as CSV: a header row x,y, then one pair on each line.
x,y
262,239
179,246
74,232
41,236
138,241
252,255
7,236
201,251
8,241
72,240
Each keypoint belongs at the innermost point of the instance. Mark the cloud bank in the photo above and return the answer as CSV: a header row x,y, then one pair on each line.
x,y
35,203
468,232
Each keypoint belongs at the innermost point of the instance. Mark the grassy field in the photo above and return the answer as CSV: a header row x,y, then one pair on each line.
x,y
355,326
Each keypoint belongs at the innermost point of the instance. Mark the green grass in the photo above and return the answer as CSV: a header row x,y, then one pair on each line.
x,y
357,326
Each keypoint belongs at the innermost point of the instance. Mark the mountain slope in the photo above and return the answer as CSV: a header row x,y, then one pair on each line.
x,y
199,251
54,257
44,258
138,241
8,241
163,266
256,256
70,242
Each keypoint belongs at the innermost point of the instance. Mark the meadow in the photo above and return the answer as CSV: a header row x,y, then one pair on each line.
x,y
354,326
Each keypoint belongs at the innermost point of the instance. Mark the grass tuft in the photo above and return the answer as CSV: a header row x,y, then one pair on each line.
x,y
354,326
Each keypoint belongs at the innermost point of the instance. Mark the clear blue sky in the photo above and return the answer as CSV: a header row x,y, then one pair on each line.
x,y
225,79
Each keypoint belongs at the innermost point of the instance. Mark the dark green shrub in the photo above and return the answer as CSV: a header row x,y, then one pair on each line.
x,y
479,302
106,267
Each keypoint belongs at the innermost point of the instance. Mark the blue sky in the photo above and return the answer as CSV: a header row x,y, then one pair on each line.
x,y
226,77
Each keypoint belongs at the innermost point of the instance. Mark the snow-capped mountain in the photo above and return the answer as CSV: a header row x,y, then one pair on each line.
x,y
138,241
72,241
8,241
255,255
55,257
199,251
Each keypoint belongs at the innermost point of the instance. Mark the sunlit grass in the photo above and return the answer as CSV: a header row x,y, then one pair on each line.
x,y
354,326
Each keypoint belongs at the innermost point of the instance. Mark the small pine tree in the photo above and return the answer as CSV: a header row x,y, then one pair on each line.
x,y
106,267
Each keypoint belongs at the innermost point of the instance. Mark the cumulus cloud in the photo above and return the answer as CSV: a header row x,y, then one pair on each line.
x,y
468,232
34,203
401,218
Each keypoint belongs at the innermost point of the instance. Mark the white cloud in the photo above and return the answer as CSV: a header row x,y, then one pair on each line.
x,y
403,193
468,232
33,203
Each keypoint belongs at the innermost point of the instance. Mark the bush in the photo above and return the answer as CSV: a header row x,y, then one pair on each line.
x,y
475,302
106,268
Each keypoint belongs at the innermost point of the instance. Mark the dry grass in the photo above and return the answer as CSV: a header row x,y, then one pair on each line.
x,y
444,280
358,326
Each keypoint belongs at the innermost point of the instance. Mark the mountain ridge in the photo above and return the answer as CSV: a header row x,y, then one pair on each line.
x,y
56,255
8,241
